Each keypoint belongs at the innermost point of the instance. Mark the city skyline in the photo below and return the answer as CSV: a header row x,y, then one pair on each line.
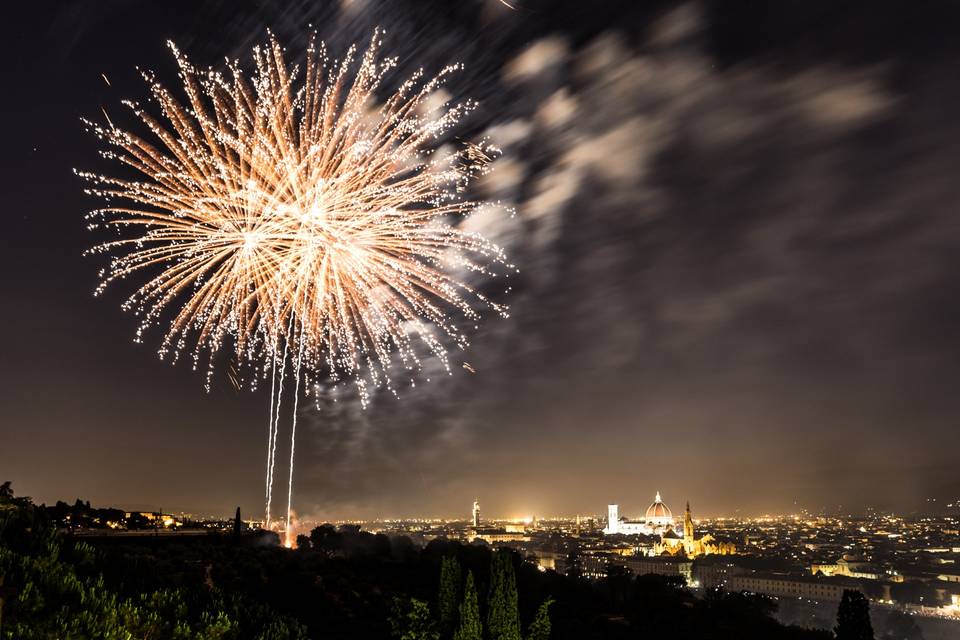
x,y
631,509
902,569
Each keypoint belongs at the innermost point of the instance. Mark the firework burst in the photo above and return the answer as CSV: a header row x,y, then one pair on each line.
x,y
288,220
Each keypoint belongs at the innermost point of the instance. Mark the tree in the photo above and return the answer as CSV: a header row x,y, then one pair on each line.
x,y
236,525
61,593
8,500
449,595
618,582
853,617
303,542
540,627
412,621
900,626
470,628
326,539
503,619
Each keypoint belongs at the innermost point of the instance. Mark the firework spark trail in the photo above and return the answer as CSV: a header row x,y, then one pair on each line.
x,y
275,425
269,484
293,445
286,214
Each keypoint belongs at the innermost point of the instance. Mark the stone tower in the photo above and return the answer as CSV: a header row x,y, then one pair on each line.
x,y
688,527
613,518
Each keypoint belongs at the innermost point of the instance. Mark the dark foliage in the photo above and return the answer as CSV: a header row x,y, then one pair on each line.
x,y
470,627
853,617
503,621
448,597
55,587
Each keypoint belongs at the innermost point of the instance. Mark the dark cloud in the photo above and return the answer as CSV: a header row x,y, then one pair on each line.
x,y
735,286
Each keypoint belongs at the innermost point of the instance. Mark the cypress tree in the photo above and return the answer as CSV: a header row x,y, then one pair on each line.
x,y
449,595
236,525
470,627
540,627
853,617
503,618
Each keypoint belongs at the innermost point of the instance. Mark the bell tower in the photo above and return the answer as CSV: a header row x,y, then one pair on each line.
x,y
688,526
613,518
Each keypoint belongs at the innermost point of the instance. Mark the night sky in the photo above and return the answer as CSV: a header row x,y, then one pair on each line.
x,y
738,234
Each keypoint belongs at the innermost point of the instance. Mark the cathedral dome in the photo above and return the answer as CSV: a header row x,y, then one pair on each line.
x,y
658,510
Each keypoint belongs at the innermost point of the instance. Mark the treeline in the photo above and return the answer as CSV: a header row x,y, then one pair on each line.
x,y
341,583
52,587
81,514
457,614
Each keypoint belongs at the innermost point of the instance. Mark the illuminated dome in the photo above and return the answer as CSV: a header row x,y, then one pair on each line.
x,y
658,512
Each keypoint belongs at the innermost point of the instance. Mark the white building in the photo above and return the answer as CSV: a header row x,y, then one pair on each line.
x,y
657,519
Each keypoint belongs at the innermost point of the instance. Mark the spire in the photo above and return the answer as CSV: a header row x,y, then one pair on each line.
x,y
657,499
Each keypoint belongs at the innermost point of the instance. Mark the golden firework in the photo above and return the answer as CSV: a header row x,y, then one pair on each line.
x,y
277,213
289,217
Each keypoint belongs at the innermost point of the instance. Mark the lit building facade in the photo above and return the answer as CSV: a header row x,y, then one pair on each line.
x,y
789,587
689,545
854,567
658,518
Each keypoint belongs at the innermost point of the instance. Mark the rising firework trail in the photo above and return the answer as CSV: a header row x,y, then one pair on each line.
x,y
285,218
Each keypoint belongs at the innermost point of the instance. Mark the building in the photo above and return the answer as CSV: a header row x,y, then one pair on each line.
x,y
597,565
853,567
641,565
657,519
154,518
689,545
476,513
791,587
495,535
551,560
714,573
